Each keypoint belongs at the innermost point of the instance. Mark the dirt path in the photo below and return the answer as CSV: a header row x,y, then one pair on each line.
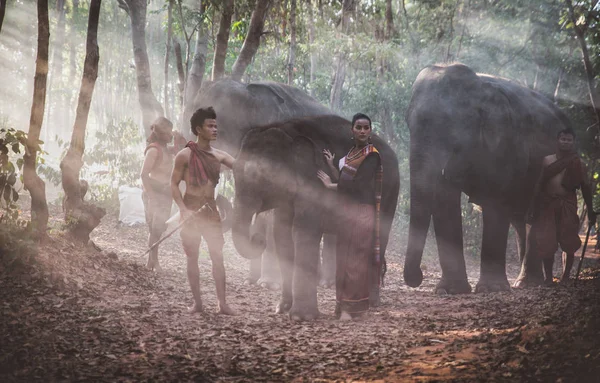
x,y
81,315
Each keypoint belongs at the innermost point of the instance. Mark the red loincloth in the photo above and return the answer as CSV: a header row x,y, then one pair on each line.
x,y
557,224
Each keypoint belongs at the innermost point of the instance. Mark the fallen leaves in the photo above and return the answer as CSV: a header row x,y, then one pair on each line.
x,y
80,314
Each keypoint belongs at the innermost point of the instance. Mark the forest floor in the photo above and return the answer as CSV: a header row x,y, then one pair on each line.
x,y
78,314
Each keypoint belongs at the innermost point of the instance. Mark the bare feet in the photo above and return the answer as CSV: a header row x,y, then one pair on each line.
x,y
344,316
224,309
196,308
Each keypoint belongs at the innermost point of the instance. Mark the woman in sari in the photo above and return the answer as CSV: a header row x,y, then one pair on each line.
x,y
359,190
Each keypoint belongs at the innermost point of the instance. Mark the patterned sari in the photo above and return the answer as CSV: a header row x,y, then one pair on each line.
x,y
358,239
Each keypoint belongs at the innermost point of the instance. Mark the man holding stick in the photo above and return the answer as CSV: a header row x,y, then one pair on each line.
x,y
199,165
553,210
155,174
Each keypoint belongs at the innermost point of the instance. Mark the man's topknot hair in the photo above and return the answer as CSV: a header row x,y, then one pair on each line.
x,y
199,116
566,131
360,116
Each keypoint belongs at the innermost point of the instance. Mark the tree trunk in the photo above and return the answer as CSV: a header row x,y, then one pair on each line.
x,y
561,73
218,69
180,72
311,41
32,182
335,97
196,74
2,12
292,54
252,41
151,108
389,20
81,217
589,69
56,116
167,53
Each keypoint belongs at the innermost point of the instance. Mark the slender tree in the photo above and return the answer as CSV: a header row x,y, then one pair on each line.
x,y
311,47
292,54
218,69
151,108
2,12
252,40
32,182
82,217
339,76
167,54
196,73
587,63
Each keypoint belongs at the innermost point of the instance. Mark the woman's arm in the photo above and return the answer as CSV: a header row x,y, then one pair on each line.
x,y
329,160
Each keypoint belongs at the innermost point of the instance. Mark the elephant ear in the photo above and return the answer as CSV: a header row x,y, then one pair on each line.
x,y
501,155
306,158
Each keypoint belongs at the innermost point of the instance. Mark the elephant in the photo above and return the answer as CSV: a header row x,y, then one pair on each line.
x,y
240,106
264,271
484,136
276,168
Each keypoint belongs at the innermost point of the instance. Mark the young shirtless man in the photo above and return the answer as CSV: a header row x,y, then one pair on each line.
x,y
553,210
155,174
199,165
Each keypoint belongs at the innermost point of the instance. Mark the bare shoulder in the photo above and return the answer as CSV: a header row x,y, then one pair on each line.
x,y
549,159
151,151
183,155
220,154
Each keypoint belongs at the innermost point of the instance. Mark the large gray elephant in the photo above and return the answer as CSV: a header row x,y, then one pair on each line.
x,y
484,136
276,169
240,106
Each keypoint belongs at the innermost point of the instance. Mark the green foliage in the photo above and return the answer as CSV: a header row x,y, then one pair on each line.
x,y
12,149
114,160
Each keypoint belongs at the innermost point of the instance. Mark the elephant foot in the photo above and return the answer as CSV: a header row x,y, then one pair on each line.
x,y
284,306
413,276
269,285
327,283
298,314
525,282
453,287
492,285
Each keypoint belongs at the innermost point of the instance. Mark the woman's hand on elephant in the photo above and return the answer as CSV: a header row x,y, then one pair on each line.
x,y
324,178
328,156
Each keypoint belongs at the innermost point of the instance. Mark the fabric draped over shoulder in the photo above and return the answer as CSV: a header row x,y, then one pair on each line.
x,y
159,149
203,166
573,177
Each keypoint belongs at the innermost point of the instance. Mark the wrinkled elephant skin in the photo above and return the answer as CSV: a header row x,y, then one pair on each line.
x,y
484,136
277,165
240,106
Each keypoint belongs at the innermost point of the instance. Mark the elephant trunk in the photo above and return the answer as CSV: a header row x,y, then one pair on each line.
x,y
422,199
248,246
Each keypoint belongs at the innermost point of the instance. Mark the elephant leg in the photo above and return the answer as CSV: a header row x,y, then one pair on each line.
x,y
531,265
307,237
518,224
327,270
254,273
447,222
284,247
270,273
492,276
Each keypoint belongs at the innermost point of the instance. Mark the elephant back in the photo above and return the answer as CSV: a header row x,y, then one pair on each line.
x,y
487,134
